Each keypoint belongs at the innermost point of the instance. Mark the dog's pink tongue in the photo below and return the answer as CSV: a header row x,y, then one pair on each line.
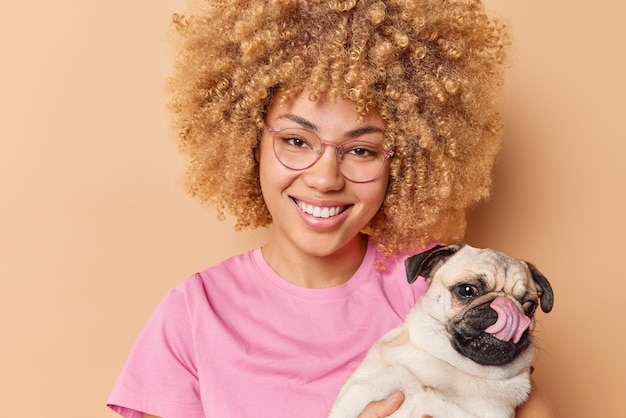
x,y
511,322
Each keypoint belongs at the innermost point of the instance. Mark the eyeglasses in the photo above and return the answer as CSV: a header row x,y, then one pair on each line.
x,y
357,160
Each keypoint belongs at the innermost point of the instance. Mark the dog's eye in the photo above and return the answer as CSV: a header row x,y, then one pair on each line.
x,y
467,291
529,307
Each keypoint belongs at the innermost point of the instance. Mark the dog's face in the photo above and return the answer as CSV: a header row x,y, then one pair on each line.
x,y
482,299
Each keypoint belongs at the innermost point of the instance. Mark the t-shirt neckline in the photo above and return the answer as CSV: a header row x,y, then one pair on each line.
x,y
365,269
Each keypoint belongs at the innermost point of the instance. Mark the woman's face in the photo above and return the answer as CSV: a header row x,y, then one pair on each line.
x,y
317,211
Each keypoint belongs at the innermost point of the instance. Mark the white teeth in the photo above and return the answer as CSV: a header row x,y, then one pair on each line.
x,y
318,211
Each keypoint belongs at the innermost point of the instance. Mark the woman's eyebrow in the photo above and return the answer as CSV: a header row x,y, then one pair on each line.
x,y
355,133
364,130
304,123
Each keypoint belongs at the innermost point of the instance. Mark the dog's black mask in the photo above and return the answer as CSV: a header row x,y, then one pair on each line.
x,y
468,337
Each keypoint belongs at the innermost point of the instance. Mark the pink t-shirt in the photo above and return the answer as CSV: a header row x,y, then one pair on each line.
x,y
236,340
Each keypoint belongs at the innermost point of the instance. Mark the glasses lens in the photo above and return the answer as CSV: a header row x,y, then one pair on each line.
x,y
296,148
361,161
358,161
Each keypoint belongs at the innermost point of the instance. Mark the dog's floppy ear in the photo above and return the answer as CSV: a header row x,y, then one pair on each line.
x,y
546,295
425,263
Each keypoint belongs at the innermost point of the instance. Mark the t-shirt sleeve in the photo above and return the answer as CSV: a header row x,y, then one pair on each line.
x,y
160,375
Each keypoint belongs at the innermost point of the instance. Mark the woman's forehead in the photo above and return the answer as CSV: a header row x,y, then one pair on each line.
x,y
322,110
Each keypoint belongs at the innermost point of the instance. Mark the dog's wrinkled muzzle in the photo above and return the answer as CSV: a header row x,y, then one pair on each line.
x,y
511,323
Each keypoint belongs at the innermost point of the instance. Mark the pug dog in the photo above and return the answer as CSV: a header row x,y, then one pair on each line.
x,y
465,348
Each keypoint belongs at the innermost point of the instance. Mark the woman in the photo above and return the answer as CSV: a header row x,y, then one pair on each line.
x,y
360,131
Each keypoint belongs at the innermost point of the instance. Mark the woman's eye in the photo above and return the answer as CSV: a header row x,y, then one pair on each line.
x,y
362,152
295,142
467,291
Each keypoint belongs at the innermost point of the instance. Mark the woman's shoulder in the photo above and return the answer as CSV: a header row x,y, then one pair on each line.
x,y
393,272
223,277
235,265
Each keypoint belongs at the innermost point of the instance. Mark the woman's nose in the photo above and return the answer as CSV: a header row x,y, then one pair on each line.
x,y
324,175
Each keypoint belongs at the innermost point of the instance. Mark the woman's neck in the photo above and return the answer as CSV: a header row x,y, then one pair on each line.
x,y
315,271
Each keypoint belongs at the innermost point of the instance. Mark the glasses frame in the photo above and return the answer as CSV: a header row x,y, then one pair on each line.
x,y
338,147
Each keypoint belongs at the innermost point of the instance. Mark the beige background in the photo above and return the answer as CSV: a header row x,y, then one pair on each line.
x,y
95,227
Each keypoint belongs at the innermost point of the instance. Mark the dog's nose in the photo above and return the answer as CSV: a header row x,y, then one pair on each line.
x,y
511,323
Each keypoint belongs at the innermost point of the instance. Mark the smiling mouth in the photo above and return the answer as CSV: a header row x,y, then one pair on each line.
x,y
320,211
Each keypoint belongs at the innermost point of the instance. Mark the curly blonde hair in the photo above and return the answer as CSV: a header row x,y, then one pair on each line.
x,y
431,68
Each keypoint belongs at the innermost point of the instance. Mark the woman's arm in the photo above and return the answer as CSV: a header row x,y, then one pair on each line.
x,y
383,408
537,406
373,410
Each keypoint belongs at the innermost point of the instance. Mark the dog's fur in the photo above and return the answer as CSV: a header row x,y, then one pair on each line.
x,y
441,357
